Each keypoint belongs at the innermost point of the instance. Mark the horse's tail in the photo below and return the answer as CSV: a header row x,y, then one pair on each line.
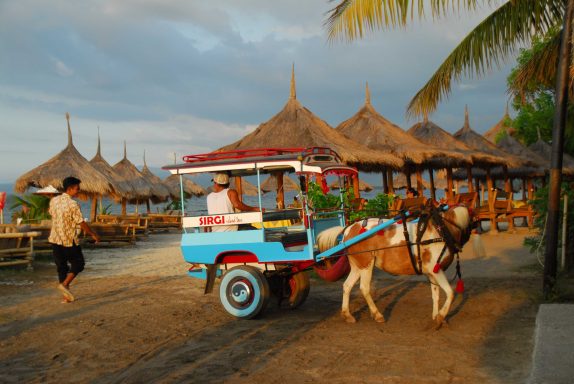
x,y
477,245
328,238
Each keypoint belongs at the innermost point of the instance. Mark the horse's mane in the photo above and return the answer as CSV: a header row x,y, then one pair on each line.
x,y
328,238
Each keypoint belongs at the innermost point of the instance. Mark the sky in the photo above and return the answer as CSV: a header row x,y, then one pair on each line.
x,y
189,76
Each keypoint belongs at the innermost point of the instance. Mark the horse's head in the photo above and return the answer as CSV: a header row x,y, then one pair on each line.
x,y
458,222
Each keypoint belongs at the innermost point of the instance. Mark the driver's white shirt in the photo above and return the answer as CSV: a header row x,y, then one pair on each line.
x,y
219,203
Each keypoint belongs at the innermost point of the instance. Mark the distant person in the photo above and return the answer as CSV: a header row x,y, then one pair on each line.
x,y
225,200
66,216
411,193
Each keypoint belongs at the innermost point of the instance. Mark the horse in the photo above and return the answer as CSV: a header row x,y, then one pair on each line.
x,y
439,236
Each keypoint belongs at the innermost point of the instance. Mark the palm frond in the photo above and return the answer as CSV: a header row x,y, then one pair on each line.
x,y
351,19
540,68
486,46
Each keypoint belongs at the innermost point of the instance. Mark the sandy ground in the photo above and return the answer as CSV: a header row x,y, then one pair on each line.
x,y
139,318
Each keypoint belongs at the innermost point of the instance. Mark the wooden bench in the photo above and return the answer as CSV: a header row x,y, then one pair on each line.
x,y
497,210
111,233
16,247
159,222
139,223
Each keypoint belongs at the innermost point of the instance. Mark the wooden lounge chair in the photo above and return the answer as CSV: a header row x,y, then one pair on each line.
x,y
112,233
496,210
467,198
526,211
16,246
160,222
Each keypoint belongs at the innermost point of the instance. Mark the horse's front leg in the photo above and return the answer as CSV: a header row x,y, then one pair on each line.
x,y
366,277
347,287
442,281
435,295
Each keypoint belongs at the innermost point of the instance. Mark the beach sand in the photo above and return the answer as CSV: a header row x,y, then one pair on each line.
x,y
139,318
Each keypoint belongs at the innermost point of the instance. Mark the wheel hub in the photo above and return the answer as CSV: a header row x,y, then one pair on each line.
x,y
240,293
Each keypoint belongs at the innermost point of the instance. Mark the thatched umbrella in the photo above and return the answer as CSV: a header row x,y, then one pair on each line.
x,y
69,162
500,127
159,192
363,185
479,143
122,188
430,133
375,131
189,187
141,187
545,150
296,126
270,184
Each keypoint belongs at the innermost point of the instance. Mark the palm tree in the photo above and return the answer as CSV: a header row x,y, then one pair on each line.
x,y
513,24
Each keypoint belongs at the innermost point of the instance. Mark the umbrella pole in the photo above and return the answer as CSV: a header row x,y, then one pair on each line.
x,y
524,189
530,189
93,209
507,185
147,206
124,206
432,187
280,190
356,191
449,185
385,185
469,177
408,175
390,181
420,187
477,188
239,187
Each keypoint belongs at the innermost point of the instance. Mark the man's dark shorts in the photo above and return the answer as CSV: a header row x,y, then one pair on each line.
x,y
64,255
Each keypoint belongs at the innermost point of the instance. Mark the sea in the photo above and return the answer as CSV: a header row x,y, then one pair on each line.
x,y
193,206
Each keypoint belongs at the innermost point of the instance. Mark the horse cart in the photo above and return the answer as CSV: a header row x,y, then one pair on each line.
x,y
265,259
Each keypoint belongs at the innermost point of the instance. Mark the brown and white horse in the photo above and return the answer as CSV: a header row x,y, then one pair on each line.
x,y
388,251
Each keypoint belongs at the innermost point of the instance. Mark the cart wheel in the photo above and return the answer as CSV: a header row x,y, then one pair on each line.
x,y
244,292
298,289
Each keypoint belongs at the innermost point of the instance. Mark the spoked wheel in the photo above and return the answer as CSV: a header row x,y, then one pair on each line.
x,y
244,292
292,290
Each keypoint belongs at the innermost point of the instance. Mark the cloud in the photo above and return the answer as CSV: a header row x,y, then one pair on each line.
x,y
192,76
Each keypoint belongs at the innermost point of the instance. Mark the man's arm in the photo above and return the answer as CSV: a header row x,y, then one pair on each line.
x,y
86,228
238,204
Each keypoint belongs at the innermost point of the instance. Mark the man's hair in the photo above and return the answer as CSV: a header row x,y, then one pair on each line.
x,y
413,191
70,181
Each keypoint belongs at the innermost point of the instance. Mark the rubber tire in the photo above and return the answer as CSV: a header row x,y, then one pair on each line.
x,y
299,285
256,300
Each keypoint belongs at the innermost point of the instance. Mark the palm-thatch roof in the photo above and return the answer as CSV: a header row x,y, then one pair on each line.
x,y
533,164
545,150
159,192
430,133
363,185
270,184
479,143
376,132
122,188
296,126
69,162
189,187
499,128
140,185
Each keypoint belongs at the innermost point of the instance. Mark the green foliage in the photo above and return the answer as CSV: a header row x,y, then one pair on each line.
x,y
540,205
319,200
33,208
378,206
104,210
173,205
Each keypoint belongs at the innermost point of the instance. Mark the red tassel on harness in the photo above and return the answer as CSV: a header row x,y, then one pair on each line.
x,y
436,268
362,230
460,286
381,232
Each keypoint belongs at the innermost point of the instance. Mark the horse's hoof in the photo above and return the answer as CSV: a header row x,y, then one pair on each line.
x,y
439,322
379,318
348,318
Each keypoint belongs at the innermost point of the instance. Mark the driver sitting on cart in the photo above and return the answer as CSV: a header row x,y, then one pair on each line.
x,y
226,200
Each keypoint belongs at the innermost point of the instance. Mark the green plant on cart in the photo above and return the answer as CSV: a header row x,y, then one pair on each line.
x,y
30,208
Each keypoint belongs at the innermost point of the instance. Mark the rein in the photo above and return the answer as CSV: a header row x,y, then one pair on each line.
x,y
445,236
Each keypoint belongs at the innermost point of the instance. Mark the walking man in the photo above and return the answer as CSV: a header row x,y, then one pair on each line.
x,y
66,216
